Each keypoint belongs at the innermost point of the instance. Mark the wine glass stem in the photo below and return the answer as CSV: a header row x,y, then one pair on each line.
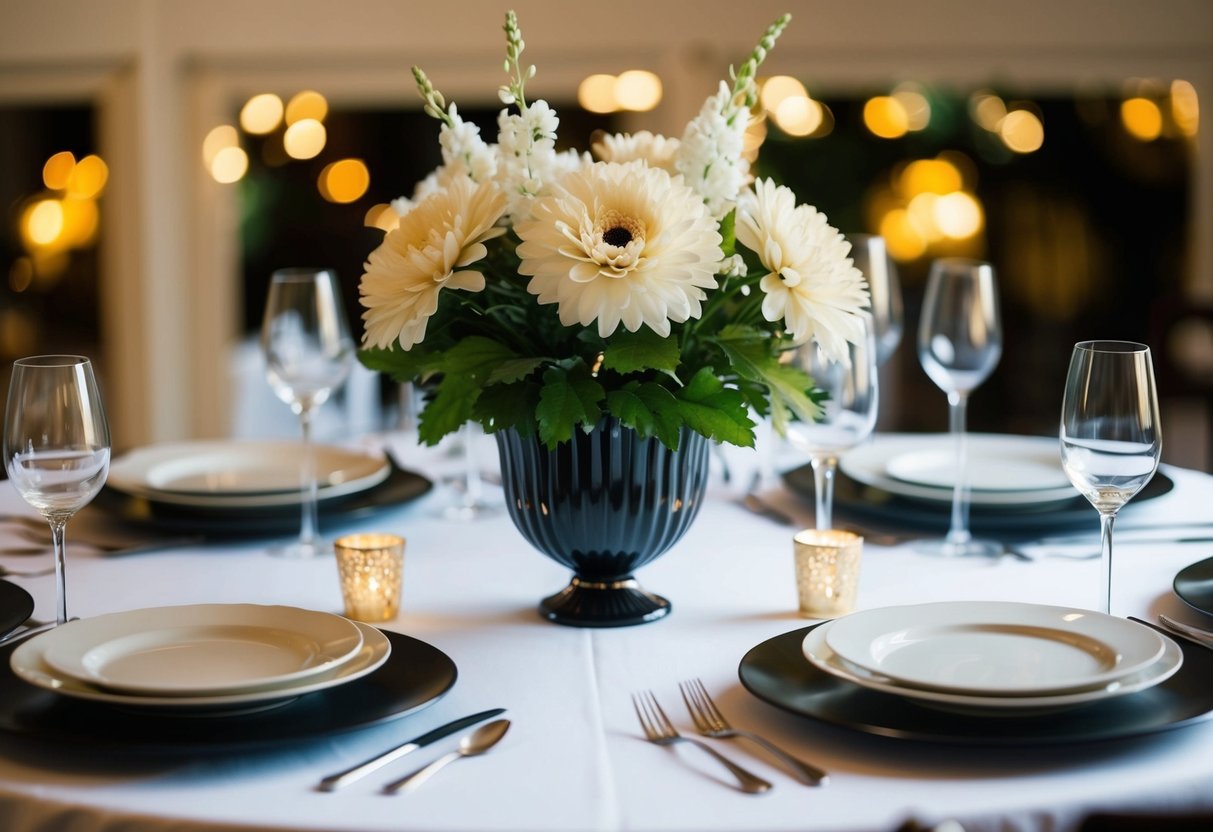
x,y
307,529
823,490
1106,519
58,541
959,534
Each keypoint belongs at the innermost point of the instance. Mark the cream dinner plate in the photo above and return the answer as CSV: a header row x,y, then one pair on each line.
x,y
1007,470
818,652
28,664
994,648
240,473
201,650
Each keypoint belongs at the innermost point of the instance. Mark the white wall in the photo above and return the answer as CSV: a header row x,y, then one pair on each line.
x,y
162,72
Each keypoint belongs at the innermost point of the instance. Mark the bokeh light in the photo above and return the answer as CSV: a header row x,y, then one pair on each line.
x,y
305,139
42,222
778,87
88,177
798,115
261,114
1022,131
1185,107
915,104
936,176
638,90
987,109
306,104
903,240
58,169
597,94
224,135
229,165
382,216
1141,118
885,117
959,215
344,181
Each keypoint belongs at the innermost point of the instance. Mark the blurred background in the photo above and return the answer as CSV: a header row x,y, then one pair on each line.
x,y
159,159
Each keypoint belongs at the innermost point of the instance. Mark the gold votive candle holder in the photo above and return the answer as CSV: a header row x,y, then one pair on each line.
x,y
371,566
827,571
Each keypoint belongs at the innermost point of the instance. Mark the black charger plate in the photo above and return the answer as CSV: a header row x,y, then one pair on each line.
x,y
415,675
777,672
16,605
400,486
868,502
1194,586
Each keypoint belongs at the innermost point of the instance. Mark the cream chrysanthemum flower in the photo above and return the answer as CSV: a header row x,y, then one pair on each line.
x,y
811,284
655,150
620,243
428,252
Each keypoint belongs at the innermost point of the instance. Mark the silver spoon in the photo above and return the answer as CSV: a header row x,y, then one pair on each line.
x,y
477,742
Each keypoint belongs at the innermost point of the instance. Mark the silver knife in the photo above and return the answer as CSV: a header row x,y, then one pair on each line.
x,y
342,778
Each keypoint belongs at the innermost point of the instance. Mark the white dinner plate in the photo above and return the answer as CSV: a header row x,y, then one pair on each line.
x,y
1031,468
241,473
28,664
994,648
201,649
869,464
817,650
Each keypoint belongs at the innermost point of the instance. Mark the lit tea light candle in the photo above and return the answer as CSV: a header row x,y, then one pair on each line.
x,y
371,567
827,571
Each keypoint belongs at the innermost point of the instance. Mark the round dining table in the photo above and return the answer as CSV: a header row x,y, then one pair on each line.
x,y
575,758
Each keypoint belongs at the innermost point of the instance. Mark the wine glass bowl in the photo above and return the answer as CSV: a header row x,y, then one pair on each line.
x,y
959,345
56,444
871,256
848,413
1110,435
308,355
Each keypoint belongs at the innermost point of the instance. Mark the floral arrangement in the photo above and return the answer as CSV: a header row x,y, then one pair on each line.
x,y
652,281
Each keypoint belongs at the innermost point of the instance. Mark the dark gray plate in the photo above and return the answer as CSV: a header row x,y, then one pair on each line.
x,y
415,675
16,605
1194,586
777,672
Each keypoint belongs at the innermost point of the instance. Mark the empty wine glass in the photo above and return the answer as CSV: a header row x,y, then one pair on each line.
x,y
959,344
308,355
871,257
56,444
848,414
1110,434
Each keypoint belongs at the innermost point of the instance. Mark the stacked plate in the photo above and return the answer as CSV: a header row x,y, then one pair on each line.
x,y
241,474
212,658
993,658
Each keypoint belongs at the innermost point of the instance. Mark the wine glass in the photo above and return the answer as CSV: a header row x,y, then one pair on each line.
x,y
848,414
1110,435
959,344
308,354
871,257
56,444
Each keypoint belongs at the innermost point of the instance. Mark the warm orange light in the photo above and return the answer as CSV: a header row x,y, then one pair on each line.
x,y
220,137
43,222
381,216
80,221
305,139
1185,107
917,107
988,110
229,165
1022,131
885,117
57,169
261,114
1142,118
87,179
344,181
778,87
936,176
306,104
20,274
638,90
798,115
597,94
959,215
902,239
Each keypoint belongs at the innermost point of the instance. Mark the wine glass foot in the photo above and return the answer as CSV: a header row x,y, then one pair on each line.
x,y
961,549
299,550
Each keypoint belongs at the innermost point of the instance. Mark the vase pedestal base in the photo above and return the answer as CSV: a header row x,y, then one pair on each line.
x,y
589,603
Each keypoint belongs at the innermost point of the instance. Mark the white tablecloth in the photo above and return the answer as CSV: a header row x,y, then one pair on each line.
x,y
573,759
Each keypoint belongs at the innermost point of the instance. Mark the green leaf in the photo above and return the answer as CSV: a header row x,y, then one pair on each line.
x,y
631,411
401,365
667,421
716,411
476,355
728,230
790,389
569,397
514,369
452,405
505,406
632,352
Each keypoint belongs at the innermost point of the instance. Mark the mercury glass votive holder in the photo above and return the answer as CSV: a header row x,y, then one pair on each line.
x,y
371,567
827,571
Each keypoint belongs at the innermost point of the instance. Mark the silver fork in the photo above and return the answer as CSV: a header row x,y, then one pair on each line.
x,y
710,722
1197,634
659,730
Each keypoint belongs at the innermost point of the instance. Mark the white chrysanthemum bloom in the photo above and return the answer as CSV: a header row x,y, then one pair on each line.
x,y
655,150
812,284
733,266
620,243
463,151
526,150
710,153
428,252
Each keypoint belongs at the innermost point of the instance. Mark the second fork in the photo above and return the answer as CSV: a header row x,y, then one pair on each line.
x,y
710,722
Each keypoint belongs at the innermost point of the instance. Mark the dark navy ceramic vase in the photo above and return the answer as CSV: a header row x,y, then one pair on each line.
x,y
603,504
